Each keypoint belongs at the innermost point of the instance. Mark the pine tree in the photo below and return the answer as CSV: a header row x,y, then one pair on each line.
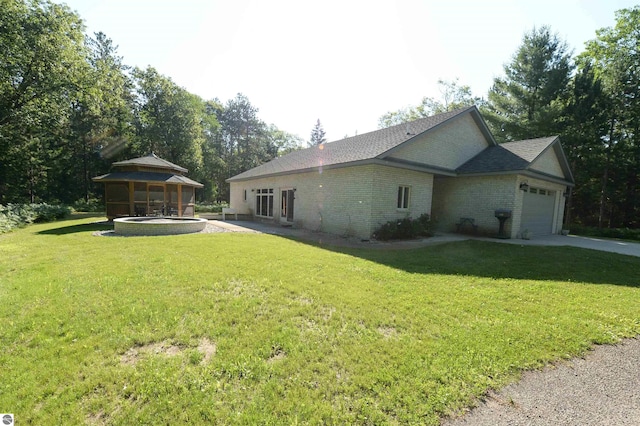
x,y
525,102
317,135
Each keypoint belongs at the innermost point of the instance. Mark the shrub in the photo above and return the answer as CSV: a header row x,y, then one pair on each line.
x,y
622,233
211,208
406,228
94,205
17,215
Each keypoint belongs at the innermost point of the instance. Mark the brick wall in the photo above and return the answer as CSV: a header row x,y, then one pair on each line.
x,y
448,146
350,201
478,197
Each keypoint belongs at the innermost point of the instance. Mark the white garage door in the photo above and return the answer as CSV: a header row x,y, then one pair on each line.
x,y
537,211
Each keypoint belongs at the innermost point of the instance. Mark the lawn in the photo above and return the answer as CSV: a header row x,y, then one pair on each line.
x,y
248,328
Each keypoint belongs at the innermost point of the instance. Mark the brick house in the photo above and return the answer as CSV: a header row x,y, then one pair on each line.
x,y
447,165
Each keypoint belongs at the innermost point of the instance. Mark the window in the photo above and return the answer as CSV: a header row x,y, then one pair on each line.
x,y
403,196
244,195
264,202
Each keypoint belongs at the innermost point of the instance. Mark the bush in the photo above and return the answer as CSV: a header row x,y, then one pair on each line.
x,y
211,208
94,205
404,229
17,215
621,233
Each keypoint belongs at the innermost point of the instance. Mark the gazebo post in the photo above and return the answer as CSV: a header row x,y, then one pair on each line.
x,y
180,201
131,200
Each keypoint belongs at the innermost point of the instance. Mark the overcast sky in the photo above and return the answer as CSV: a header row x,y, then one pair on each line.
x,y
345,62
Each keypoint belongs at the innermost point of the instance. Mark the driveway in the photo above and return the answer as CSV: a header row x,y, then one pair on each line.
x,y
614,246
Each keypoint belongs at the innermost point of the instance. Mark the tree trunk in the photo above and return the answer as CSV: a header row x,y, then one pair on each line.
x,y
605,177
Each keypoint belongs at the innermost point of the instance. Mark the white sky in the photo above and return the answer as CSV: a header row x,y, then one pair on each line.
x,y
345,62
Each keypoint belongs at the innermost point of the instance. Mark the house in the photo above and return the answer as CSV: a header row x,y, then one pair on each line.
x,y
148,186
448,165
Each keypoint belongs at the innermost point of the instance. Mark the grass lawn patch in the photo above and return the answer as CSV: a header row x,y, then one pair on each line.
x,y
250,328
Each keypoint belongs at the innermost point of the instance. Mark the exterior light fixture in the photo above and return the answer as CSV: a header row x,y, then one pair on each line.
x,y
524,186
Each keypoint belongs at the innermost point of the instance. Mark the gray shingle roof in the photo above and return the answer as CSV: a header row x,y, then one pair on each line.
x,y
506,157
147,177
366,146
150,160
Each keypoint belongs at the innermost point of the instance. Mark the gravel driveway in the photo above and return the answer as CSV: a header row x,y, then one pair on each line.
x,y
603,388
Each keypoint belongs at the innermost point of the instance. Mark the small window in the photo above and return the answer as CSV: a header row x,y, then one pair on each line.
x,y
244,197
403,197
533,190
542,192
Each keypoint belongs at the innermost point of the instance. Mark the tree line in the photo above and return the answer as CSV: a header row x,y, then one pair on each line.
x,y
70,107
591,100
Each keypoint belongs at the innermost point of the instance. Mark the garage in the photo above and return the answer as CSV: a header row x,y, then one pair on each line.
x,y
537,211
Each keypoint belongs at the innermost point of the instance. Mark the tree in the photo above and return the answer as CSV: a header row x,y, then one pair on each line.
x,y
284,141
243,141
453,96
212,152
99,125
168,121
583,137
615,58
526,102
317,135
42,59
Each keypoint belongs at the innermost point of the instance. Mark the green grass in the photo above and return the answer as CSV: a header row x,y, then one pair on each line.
x,y
105,330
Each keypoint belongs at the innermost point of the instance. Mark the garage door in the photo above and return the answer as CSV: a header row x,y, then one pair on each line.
x,y
537,211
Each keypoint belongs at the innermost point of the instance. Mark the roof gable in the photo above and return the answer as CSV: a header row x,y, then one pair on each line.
x,y
525,155
448,146
378,144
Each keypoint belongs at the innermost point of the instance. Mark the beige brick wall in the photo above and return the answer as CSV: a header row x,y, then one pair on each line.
x,y
351,201
386,183
548,163
479,197
449,146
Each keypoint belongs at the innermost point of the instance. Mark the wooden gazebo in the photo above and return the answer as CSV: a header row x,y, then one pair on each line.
x,y
148,186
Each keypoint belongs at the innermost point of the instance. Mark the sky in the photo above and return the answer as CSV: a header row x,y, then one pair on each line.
x,y
344,62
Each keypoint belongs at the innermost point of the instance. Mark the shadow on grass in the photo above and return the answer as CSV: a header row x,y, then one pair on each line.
x,y
507,261
73,229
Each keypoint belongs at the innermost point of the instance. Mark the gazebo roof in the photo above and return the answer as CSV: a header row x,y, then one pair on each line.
x,y
155,170
147,177
151,160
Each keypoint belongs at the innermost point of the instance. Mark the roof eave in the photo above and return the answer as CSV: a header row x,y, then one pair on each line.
x,y
402,164
534,174
106,178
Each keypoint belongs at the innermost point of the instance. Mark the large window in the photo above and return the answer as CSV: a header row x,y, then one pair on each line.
x,y
404,193
264,202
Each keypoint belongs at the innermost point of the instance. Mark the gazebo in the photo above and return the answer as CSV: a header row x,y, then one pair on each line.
x,y
148,186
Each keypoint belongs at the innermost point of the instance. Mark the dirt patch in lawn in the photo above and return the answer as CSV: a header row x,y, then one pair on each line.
x,y
167,349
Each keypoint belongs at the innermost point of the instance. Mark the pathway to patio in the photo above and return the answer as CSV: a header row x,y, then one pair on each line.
x,y
614,246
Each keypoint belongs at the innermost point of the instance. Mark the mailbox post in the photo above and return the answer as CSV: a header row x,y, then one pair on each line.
x,y
503,215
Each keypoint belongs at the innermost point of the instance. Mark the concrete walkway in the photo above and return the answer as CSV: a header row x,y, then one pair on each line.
x,y
614,246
